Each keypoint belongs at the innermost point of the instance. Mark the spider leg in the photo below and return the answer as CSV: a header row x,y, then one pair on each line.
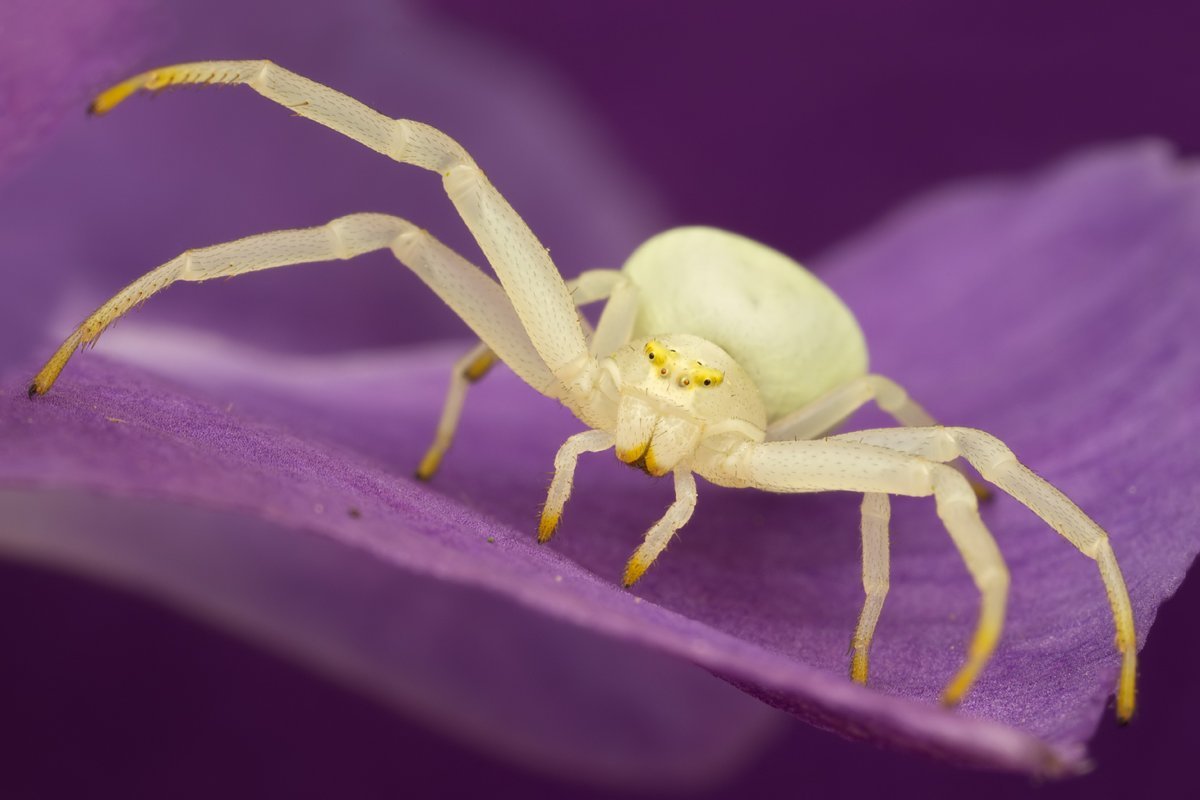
x,y
467,370
832,465
876,513
826,412
659,535
616,325
564,477
996,462
477,298
536,290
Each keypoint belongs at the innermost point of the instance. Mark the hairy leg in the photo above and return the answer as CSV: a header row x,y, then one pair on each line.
x,y
659,535
823,414
832,465
477,298
467,370
826,412
564,477
876,513
535,288
616,323
996,462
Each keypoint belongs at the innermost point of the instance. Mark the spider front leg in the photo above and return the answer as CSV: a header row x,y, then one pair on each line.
x,y
830,465
534,287
564,477
659,535
614,330
996,463
478,299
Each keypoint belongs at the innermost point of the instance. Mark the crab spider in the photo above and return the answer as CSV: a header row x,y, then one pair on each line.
x,y
715,356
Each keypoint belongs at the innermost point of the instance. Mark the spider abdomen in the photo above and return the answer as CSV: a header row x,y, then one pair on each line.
x,y
786,328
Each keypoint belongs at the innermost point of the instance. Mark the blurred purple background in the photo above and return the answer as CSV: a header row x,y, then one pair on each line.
x,y
797,124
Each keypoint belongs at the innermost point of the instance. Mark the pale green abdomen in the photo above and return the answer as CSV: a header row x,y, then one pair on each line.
x,y
789,331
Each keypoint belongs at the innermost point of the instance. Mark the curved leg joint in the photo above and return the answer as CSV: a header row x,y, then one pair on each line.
x,y
876,513
660,534
564,477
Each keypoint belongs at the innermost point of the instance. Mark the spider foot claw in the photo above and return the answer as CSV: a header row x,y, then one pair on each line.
x,y
962,683
634,570
430,463
547,526
858,667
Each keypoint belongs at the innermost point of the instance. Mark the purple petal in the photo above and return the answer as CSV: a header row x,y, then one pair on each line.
x,y
482,670
521,691
204,165
53,58
1091,392
178,206
859,105
466,663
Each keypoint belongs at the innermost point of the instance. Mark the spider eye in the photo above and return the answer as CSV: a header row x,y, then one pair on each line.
x,y
656,353
709,376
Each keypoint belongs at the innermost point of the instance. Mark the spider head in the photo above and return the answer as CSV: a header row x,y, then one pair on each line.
x,y
691,377
673,388
684,373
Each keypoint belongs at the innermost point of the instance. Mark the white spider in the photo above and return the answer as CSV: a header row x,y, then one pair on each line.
x,y
714,356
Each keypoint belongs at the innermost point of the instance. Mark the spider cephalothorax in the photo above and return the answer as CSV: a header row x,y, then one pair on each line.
x,y
683,372
669,399
714,356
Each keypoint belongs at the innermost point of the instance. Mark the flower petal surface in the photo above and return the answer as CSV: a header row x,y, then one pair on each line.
x,y
965,295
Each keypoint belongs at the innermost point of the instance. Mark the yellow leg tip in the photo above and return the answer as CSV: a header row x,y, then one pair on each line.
x,y
1127,691
429,465
858,667
547,526
110,98
634,570
150,81
479,367
962,683
952,696
980,652
1125,707
44,380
